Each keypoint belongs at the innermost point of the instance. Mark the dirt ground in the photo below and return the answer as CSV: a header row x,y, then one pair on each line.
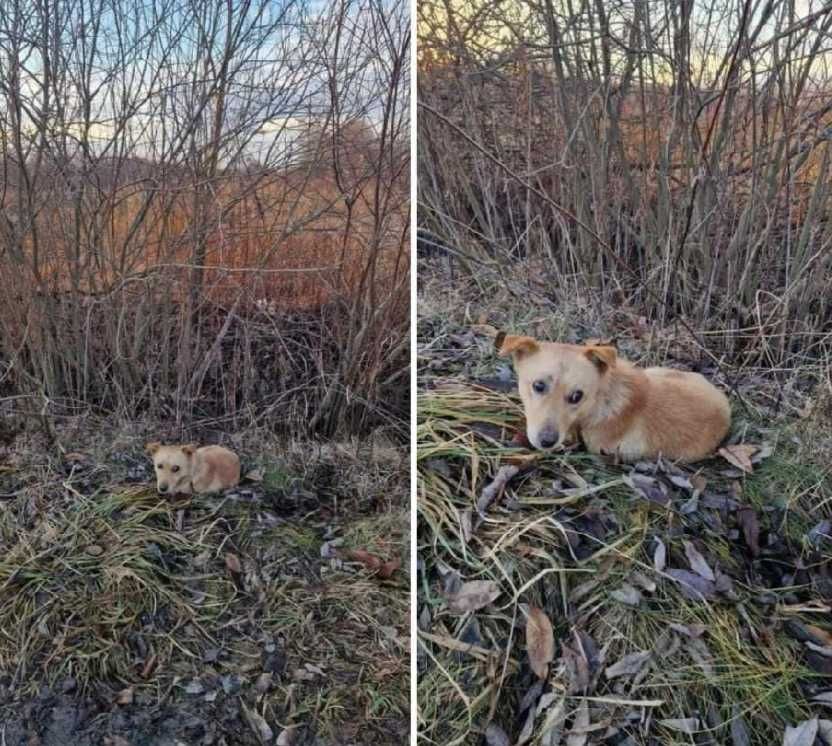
x,y
275,613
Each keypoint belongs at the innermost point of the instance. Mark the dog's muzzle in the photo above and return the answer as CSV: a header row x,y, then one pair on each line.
x,y
548,438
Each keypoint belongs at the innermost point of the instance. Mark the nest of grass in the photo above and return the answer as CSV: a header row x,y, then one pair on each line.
x,y
568,599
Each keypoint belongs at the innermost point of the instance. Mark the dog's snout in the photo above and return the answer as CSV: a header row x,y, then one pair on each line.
x,y
163,488
548,438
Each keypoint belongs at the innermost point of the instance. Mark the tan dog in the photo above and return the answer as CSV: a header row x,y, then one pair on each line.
x,y
188,469
615,407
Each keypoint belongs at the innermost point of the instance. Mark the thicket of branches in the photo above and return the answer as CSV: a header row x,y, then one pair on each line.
x,y
205,209
673,158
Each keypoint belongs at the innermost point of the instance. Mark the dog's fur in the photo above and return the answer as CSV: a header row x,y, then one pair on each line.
x,y
629,412
186,469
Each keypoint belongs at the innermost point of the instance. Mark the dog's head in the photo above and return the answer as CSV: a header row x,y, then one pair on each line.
x,y
173,466
559,385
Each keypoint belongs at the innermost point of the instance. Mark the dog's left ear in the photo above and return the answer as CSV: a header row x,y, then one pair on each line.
x,y
602,357
510,344
189,449
151,448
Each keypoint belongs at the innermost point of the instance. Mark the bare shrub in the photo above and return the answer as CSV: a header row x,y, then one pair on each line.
x,y
205,209
670,158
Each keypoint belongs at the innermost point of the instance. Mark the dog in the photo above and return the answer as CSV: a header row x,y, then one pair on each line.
x,y
187,469
588,392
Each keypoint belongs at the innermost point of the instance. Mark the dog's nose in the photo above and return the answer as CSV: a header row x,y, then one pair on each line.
x,y
548,438
163,488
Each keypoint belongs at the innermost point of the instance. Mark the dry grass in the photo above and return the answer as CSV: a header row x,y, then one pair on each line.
x,y
112,589
569,534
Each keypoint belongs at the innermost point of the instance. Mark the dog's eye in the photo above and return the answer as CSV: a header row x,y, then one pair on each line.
x,y
575,396
159,466
539,387
174,469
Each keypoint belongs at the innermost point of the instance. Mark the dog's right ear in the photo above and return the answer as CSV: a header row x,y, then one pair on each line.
x,y
515,345
603,357
151,448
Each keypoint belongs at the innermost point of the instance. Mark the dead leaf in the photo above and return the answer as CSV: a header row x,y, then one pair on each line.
x,y
740,456
699,482
125,696
693,586
472,596
580,725
496,736
640,579
388,568
683,725
660,556
824,698
287,736
370,561
540,641
628,665
258,724
255,475
803,734
821,635
747,518
649,488
232,562
697,562
94,550
739,730
681,481
492,491
627,595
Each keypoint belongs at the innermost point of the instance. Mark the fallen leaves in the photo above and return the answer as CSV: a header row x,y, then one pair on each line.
x,y
682,725
258,724
650,488
472,596
802,734
540,641
496,736
629,665
372,562
697,562
744,455
495,488
232,562
750,525
693,586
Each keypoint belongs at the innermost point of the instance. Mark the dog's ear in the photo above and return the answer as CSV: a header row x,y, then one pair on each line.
x,y
602,357
517,346
189,449
151,448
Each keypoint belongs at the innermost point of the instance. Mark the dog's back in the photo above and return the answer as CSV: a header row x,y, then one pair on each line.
x,y
685,416
216,469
